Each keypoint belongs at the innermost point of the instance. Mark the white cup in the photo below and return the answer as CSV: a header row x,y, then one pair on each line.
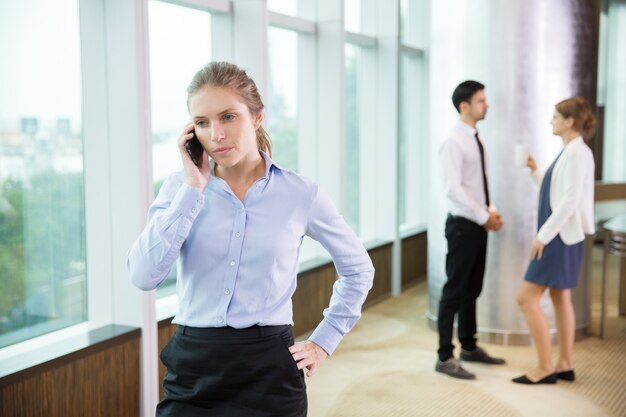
x,y
521,154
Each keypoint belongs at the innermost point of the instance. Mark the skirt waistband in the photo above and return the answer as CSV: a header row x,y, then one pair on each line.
x,y
231,332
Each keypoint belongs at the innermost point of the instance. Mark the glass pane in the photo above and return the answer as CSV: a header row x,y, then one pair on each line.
x,y
352,15
352,138
402,145
289,7
414,22
613,69
180,44
42,214
282,102
412,146
404,20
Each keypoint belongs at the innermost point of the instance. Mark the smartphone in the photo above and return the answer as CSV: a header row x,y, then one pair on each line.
x,y
194,149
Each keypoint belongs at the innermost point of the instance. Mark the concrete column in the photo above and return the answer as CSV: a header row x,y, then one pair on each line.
x,y
530,54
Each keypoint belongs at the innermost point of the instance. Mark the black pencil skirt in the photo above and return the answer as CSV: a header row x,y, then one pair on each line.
x,y
232,372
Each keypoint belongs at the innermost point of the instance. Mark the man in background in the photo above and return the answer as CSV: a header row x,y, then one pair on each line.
x,y
470,217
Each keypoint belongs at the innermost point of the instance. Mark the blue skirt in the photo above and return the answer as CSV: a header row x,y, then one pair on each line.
x,y
559,265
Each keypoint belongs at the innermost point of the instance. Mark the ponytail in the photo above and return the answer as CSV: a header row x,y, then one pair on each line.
x,y
578,109
263,141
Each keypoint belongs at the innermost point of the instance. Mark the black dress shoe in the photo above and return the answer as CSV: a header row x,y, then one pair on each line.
x,y
550,379
566,375
452,367
479,355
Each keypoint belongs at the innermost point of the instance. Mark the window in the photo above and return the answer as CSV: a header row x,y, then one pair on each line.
x,y
180,44
352,15
288,7
352,138
612,89
42,210
404,17
282,100
360,51
412,144
414,23
360,93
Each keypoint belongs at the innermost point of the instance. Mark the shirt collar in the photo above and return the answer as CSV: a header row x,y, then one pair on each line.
x,y
269,163
576,139
466,128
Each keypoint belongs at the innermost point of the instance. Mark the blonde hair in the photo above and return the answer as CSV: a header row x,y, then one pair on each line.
x,y
578,109
227,75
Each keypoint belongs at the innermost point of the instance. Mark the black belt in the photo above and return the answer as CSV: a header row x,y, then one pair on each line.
x,y
452,216
231,332
463,219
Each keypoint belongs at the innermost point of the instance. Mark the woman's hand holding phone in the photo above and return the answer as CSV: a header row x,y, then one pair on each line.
x,y
197,175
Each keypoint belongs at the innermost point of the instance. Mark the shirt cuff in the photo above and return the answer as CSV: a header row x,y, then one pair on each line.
x,y
482,218
188,201
327,337
543,238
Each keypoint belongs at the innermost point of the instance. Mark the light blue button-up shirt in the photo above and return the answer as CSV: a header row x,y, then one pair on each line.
x,y
238,262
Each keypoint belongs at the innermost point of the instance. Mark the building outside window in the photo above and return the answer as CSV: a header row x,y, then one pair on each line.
x,y
43,282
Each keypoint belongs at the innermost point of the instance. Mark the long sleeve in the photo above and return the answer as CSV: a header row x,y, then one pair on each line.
x,y
169,221
573,172
356,272
451,162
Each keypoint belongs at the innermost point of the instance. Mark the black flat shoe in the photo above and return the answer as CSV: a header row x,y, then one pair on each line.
x,y
550,379
566,375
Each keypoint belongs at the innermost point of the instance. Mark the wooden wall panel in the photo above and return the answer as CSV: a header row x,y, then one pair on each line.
x,y
315,288
166,330
100,383
311,297
381,258
414,258
622,287
609,191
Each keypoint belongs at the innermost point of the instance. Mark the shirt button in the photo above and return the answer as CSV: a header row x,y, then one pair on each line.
x,y
199,201
242,210
259,185
232,263
221,320
180,240
227,291
193,209
238,234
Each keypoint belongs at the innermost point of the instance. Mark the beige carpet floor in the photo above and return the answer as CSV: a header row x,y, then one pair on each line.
x,y
385,367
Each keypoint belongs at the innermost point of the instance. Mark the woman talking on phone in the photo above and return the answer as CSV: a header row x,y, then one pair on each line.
x,y
235,223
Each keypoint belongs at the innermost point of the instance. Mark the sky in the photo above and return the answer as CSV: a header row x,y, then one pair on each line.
x,y
40,75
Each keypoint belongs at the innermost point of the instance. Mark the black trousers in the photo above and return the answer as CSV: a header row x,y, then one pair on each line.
x,y
232,372
465,267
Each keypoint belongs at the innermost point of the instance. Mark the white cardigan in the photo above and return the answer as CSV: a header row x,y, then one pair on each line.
x,y
571,195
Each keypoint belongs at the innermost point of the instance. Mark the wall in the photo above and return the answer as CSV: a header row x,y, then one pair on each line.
x,y
100,380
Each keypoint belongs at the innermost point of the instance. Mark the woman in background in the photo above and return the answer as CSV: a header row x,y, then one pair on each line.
x,y
565,216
